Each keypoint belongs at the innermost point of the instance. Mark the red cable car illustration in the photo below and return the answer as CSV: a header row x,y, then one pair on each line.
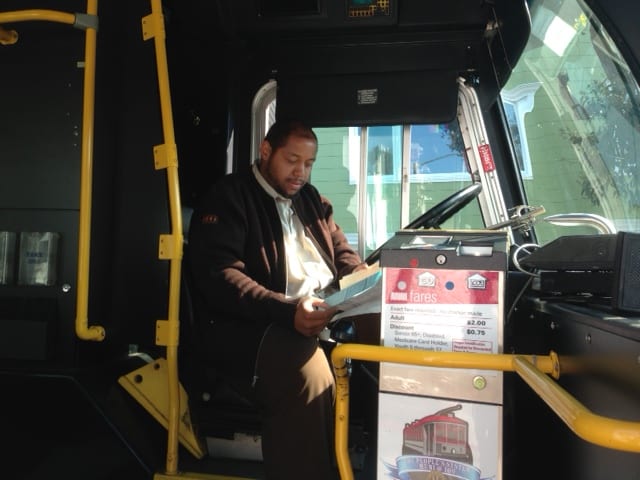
x,y
441,435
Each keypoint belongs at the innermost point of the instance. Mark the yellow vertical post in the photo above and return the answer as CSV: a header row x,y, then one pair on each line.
x,y
83,331
167,332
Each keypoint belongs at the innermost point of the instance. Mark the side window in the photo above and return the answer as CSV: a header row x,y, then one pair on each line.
x,y
384,152
382,146
437,153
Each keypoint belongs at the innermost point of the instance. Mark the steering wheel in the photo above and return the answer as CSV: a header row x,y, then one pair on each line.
x,y
438,214
443,211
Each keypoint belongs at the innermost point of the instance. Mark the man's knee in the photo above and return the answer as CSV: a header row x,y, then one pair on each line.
x,y
289,363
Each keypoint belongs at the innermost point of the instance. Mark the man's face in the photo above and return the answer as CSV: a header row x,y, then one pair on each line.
x,y
288,168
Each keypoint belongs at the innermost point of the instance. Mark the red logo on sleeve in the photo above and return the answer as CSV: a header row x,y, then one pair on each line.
x,y
209,219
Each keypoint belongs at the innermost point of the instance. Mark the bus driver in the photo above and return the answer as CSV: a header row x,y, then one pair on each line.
x,y
261,244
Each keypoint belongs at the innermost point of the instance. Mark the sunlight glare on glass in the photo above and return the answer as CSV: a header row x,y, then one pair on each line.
x,y
559,35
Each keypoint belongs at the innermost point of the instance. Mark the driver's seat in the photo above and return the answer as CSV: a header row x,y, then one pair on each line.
x,y
220,409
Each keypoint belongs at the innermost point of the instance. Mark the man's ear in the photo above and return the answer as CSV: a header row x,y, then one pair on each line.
x,y
265,150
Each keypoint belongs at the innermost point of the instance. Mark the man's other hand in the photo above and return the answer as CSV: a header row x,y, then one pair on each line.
x,y
312,316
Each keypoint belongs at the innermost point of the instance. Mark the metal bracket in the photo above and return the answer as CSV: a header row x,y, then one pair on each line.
x,y
165,156
167,249
167,333
152,25
149,386
85,21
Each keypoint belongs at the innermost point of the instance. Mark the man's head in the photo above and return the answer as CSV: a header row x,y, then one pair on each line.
x,y
287,154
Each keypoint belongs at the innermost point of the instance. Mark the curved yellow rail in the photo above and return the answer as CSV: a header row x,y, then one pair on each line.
x,y
602,431
599,430
41,15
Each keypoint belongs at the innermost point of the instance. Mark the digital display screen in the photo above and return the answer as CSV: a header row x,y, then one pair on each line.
x,y
368,8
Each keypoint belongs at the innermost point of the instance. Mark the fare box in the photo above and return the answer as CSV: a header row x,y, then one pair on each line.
x,y
443,291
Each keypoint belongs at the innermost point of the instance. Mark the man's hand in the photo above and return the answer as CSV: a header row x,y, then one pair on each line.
x,y
312,316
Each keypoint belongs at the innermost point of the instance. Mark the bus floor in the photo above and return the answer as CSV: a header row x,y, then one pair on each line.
x,y
78,425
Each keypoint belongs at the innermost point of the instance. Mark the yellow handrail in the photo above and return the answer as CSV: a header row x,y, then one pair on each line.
x,y
35,14
617,434
599,430
83,330
166,157
90,24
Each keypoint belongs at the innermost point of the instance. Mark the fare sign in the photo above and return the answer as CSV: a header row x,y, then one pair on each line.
x,y
441,310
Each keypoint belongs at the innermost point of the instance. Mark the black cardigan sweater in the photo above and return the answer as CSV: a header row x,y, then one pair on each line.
x,y
237,256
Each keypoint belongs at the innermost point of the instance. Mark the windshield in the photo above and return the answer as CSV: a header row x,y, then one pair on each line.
x,y
572,107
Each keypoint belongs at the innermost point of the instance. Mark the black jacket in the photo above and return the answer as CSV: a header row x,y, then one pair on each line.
x,y
237,255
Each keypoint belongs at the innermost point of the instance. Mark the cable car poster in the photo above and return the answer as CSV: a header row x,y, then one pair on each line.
x,y
437,439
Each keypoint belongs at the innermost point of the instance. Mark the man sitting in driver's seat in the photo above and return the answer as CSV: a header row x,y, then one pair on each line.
x,y
262,244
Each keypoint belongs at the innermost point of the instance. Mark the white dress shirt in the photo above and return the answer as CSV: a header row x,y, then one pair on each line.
x,y
307,272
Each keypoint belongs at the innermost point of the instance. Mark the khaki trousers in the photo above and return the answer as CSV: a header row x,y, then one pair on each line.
x,y
295,390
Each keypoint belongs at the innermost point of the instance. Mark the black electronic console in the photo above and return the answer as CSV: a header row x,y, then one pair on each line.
x,y
601,265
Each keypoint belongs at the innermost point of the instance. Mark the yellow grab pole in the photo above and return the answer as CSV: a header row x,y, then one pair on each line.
x,y
83,330
166,156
